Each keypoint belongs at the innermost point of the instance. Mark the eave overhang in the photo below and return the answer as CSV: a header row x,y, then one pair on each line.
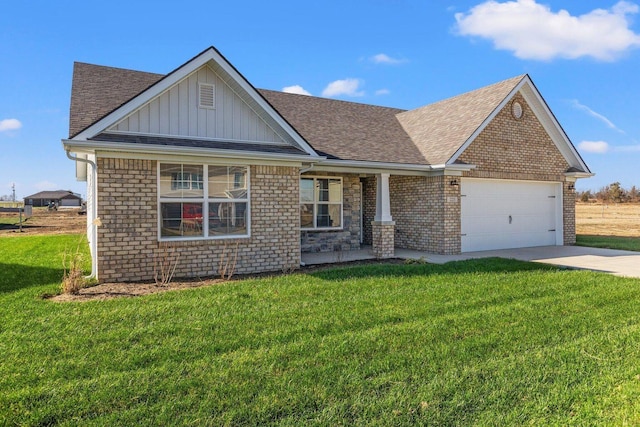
x,y
158,151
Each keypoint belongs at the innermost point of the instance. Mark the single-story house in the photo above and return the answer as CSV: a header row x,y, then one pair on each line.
x,y
58,197
199,163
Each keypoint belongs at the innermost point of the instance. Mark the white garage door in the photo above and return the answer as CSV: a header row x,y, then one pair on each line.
x,y
69,202
501,214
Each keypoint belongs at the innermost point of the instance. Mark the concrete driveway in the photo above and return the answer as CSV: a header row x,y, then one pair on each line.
x,y
620,263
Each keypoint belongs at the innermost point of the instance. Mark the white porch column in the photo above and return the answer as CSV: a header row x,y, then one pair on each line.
x,y
383,227
383,204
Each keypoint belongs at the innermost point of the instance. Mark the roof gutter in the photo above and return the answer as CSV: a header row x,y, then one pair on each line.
x,y
93,241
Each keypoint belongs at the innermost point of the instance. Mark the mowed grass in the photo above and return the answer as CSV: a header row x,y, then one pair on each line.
x,y
609,242
486,342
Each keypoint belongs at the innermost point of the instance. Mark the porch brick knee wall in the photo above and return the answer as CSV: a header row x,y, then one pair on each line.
x,y
338,240
128,246
383,239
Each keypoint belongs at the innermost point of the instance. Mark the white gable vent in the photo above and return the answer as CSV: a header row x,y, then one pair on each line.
x,y
206,95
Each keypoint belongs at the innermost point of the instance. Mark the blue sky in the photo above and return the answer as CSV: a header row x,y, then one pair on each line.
x,y
583,57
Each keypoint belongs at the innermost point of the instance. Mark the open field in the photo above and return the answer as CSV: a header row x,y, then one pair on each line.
x,y
484,342
43,221
614,219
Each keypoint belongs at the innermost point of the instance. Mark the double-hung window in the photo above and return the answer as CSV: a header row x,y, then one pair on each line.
x,y
203,201
320,203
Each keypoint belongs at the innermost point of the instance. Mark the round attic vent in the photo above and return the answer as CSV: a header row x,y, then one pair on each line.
x,y
516,110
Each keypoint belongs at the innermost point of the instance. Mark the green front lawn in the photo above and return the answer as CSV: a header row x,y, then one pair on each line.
x,y
484,342
609,242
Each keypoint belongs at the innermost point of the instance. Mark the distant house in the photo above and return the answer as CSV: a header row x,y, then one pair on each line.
x,y
59,197
201,162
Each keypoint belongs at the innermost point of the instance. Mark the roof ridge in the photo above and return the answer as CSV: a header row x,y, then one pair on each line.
x,y
116,68
517,78
333,99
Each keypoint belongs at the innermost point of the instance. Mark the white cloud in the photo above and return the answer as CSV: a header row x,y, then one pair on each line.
x,y
598,116
599,147
296,89
383,92
348,87
382,58
533,31
9,125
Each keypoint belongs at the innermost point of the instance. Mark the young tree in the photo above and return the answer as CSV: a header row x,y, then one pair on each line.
x,y
616,192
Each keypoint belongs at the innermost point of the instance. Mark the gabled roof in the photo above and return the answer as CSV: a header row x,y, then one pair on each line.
x,y
433,135
438,130
97,90
58,194
347,130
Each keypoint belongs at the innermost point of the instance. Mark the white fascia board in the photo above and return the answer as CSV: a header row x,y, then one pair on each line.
x,y
358,166
550,123
544,115
488,120
176,76
578,175
140,151
146,96
259,99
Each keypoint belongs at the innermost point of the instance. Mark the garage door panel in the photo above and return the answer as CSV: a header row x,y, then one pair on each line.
x,y
499,214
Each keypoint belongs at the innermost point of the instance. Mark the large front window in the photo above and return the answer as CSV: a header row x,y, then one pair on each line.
x,y
203,201
320,203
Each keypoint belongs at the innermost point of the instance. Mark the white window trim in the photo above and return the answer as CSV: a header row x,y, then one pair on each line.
x,y
213,90
315,203
205,200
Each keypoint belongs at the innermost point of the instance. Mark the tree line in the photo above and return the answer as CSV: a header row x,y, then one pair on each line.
x,y
612,193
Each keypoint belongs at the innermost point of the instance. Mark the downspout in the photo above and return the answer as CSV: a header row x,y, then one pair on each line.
x,y
94,215
303,170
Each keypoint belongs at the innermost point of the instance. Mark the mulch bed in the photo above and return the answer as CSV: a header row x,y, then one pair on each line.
x,y
105,291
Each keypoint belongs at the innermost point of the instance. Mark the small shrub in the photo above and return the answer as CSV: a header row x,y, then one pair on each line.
x,y
228,260
420,260
165,263
73,280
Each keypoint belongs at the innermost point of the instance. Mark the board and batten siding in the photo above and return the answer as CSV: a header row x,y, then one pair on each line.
x,y
176,113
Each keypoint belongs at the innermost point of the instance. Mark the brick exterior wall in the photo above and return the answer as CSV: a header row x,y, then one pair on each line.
x,y
569,214
128,246
338,240
427,209
427,213
521,149
368,207
383,239
515,149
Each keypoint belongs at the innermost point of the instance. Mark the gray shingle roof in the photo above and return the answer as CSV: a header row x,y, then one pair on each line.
x,y
336,129
58,194
439,129
347,130
97,90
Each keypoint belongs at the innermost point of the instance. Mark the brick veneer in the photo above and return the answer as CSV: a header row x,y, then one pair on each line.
x,y
427,213
383,239
338,240
515,149
128,244
521,149
369,207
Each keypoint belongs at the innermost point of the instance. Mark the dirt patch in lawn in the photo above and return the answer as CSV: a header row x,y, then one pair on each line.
x,y
105,291
614,219
43,221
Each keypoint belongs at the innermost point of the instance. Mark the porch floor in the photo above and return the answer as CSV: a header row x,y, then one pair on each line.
x,y
366,252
